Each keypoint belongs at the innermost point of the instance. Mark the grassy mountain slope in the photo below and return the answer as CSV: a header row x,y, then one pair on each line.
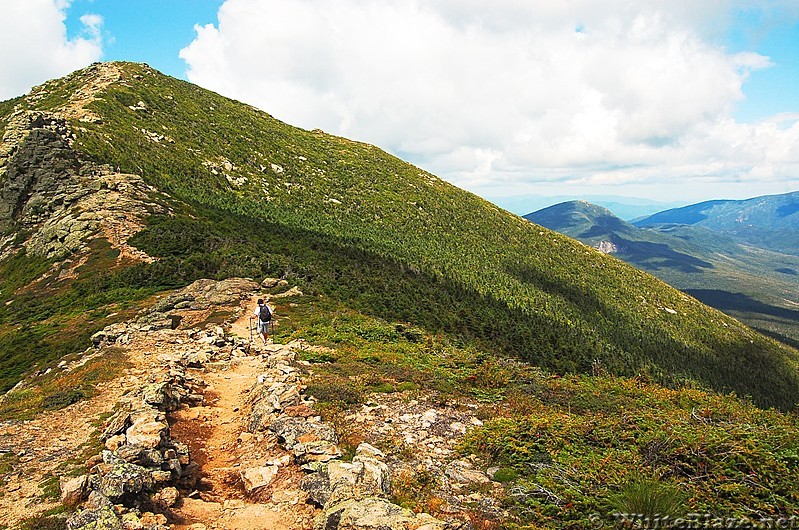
x,y
255,196
770,221
755,285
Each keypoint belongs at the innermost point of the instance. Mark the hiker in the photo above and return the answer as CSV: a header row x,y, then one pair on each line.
x,y
264,315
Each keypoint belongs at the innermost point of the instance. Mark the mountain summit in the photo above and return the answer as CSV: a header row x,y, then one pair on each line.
x,y
221,189
438,362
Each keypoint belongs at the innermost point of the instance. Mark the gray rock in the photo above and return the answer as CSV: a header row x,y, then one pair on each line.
x,y
316,451
364,514
262,416
98,515
317,485
462,472
136,454
125,480
162,396
109,334
291,431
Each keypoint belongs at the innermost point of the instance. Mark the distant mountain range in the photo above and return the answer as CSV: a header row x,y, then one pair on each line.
x,y
770,221
627,208
706,250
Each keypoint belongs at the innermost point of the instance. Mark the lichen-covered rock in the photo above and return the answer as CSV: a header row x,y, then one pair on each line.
x,y
161,396
167,497
317,485
292,431
364,514
98,514
125,480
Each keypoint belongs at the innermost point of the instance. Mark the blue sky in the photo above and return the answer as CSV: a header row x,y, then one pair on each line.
x,y
149,31
772,90
668,100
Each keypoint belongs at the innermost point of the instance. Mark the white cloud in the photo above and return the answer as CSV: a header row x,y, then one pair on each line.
x,y
508,93
34,46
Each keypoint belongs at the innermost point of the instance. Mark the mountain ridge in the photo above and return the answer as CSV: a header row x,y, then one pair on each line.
x,y
767,221
542,297
754,285
506,375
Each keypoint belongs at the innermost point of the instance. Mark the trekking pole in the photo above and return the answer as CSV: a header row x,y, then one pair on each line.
x,y
249,345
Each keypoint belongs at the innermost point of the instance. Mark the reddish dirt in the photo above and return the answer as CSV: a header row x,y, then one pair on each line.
x,y
217,437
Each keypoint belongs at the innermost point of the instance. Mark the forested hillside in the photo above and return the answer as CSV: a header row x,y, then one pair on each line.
x,y
253,196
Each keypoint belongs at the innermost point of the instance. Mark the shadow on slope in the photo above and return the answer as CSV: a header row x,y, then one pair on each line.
x,y
728,301
656,256
219,245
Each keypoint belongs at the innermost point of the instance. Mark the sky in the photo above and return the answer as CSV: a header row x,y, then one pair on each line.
x,y
666,100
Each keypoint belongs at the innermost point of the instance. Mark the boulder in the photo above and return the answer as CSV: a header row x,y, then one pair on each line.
x,y
73,490
291,431
261,417
136,454
294,291
98,514
317,485
364,514
365,476
161,396
315,451
117,424
124,480
148,429
109,334
462,472
167,497
269,283
258,477
115,442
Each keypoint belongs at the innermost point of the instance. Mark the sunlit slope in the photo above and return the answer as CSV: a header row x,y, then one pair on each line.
x,y
355,223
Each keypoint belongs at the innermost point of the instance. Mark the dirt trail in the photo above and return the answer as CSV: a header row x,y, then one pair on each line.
x,y
217,437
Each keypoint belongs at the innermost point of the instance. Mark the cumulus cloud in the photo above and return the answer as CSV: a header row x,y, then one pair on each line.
x,y
34,45
508,93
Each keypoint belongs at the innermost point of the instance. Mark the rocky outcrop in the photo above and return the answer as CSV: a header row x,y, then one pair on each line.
x,y
352,495
59,201
203,294
609,247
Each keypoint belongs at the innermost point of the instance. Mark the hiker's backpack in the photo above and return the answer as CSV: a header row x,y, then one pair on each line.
x,y
265,314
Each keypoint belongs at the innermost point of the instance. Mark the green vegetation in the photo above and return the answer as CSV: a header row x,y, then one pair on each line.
x,y
58,389
419,287
581,445
567,447
365,228
751,284
44,319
